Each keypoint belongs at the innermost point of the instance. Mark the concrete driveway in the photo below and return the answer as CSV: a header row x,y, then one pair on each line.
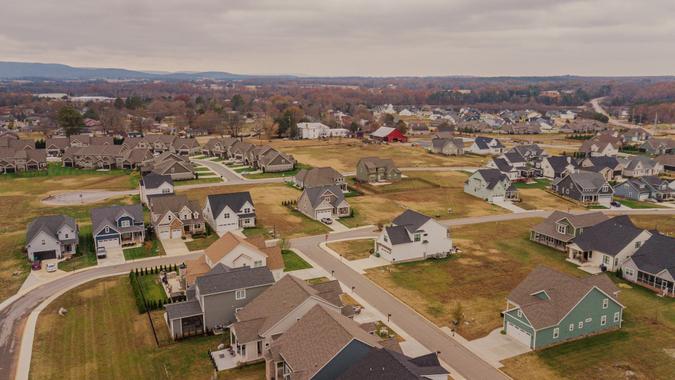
x,y
174,247
496,347
114,256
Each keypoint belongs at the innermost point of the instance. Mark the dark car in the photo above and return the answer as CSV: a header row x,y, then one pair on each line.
x,y
37,265
615,204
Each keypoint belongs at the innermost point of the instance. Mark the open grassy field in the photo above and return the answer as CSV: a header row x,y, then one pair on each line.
x,y
533,198
445,193
20,202
269,211
104,337
664,223
343,154
353,249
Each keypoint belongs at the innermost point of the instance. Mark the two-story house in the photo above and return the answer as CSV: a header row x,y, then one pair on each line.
x,y
214,299
413,236
557,166
448,146
653,265
175,216
118,226
607,245
235,251
549,308
486,146
51,237
229,212
560,228
323,202
585,187
374,169
316,177
218,147
645,188
491,185
155,184
640,166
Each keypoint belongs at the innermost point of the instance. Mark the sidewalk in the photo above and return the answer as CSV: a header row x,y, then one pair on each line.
x,y
509,206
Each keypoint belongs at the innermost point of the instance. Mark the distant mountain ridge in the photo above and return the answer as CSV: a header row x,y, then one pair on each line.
x,y
57,71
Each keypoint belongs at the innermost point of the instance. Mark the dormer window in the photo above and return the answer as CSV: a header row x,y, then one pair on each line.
x,y
561,228
107,229
124,223
418,237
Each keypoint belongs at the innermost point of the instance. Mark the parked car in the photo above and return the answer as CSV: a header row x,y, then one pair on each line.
x,y
101,252
37,265
615,204
327,220
51,267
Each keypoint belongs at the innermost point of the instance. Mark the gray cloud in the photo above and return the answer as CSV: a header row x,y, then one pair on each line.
x,y
348,37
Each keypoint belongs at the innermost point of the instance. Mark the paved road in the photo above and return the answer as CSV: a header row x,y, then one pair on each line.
x,y
597,107
429,335
12,316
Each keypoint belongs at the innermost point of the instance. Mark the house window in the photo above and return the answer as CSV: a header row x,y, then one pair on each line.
x,y
605,303
606,260
628,272
589,320
418,237
43,242
226,215
66,236
247,211
258,263
125,223
240,294
603,320
571,327
581,324
520,313
616,317
562,229
638,244
556,333
166,191
107,229
236,310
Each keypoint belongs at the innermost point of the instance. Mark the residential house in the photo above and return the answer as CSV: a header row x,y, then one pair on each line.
x,y
585,187
448,146
218,147
229,212
557,166
388,135
83,140
486,146
374,169
549,308
445,131
610,168
323,202
322,344
214,299
56,146
502,164
316,177
413,236
639,166
15,160
383,363
92,156
601,145
313,130
239,151
667,161
635,136
491,185
658,146
171,164
185,146
653,265
274,161
159,144
645,188
133,158
175,216
267,317
155,184
560,228
235,251
51,237
117,226
607,245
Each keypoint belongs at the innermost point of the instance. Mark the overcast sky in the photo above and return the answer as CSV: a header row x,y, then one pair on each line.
x,y
347,37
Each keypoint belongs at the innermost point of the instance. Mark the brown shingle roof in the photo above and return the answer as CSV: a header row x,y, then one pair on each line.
x,y
548,226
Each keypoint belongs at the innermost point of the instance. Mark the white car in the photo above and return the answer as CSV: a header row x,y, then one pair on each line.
x,y
51,267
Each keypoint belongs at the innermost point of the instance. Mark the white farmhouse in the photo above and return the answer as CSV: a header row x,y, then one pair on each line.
x,y
51,237
155,184
229,212
413,236
313,130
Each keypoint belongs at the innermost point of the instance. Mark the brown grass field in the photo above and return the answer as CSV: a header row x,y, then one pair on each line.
x,y
353,249
539,199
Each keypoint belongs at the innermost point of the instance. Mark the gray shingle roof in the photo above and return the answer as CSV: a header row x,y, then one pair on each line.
x,y
318,176
559,163
482,142
233,200
183,309
314,195
609,237
656,254
398,235
492,177
384,364
411,219
589,182
108,215
50,224
234,278
154,180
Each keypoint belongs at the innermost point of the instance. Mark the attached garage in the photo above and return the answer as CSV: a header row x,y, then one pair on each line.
x,y
176,233
164,233
108,242
320,214
44,255
518,334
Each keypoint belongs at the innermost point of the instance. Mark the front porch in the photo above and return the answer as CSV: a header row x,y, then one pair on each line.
x,y
132,238
548,241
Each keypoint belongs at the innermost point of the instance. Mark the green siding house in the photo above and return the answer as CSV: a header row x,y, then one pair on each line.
x,y
550,308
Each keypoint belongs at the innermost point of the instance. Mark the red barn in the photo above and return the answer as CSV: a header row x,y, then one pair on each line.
x,y
389,135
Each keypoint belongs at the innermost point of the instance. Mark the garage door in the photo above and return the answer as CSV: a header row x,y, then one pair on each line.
x,y
518,334
498,199
176,233
324,214
114,242
44,255
164,234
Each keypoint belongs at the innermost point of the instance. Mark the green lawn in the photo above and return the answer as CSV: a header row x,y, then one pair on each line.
x,y
151,286
148,249
198,181
537,184
86,254
103,337
289,173
201,242
637,204
293,262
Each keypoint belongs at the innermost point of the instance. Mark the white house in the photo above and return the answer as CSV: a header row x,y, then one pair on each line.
x,y
229,212
235,251
155,184
313,130
413,236
338,132
486,146
51,237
